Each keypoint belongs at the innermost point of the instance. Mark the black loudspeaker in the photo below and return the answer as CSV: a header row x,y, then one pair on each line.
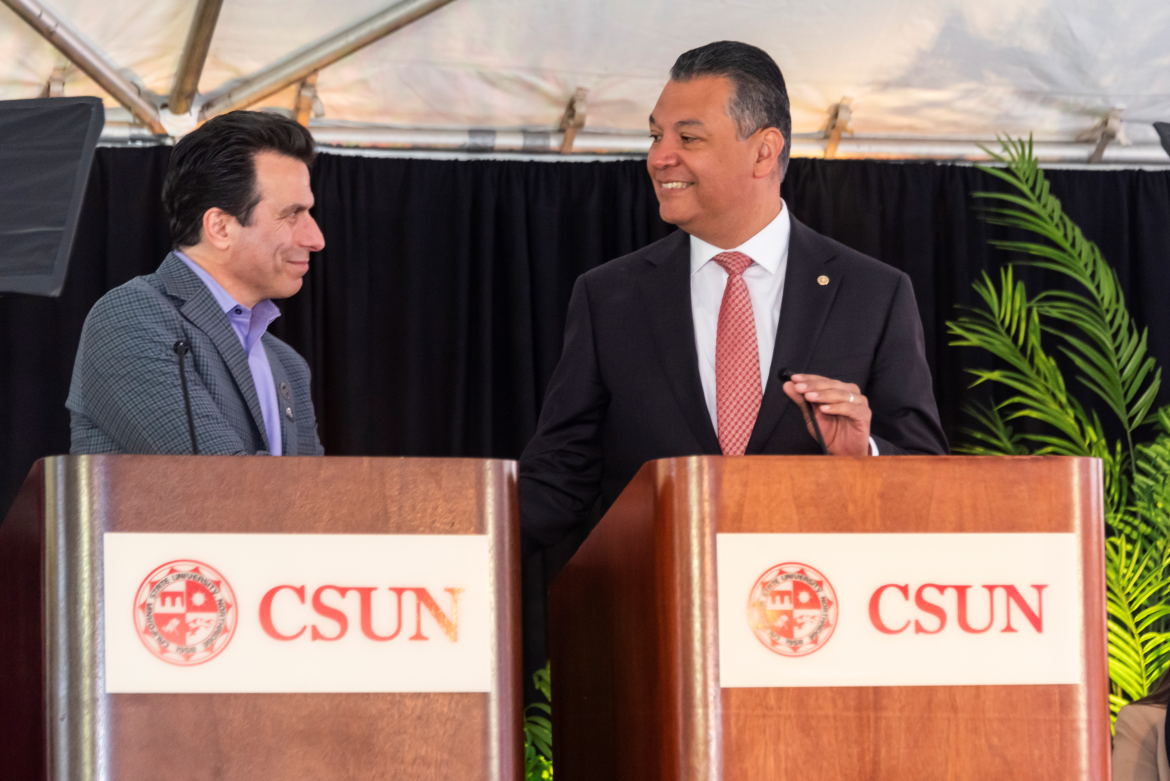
x,y
1163,129
46,150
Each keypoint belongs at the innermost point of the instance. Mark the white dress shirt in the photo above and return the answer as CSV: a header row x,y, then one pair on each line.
x,y
768,250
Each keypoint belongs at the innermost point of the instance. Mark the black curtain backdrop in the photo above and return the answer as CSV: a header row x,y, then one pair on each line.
x,y
433,318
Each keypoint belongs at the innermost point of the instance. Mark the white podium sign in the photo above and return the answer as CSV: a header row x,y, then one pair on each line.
x,y
213,613
898,609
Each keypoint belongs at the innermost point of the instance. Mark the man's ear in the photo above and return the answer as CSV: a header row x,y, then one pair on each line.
x,y
217,228
770,145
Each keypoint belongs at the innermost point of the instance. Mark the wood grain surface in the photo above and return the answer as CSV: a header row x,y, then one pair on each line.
x,y
618,651
22,670
321,736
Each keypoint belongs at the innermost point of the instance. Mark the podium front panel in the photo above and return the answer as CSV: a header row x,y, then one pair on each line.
x,y
93,734
635,628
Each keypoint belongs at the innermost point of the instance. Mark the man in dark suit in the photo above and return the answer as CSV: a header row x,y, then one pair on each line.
x,y
180,361
680,348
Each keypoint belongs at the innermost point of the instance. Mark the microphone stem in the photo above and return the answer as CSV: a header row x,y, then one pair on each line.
x,y
181,350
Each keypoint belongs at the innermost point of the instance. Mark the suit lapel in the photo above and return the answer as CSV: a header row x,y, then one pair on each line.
x,y
201,308
666,289
803,310
288,428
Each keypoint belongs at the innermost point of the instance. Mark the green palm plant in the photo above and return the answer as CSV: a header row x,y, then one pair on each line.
x,y
1094,333
538,730
1137,568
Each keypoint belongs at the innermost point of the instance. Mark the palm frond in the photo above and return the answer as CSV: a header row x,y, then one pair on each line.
x,y
995,438
1009,327
538,730
1151,478
1110,351
1138,606
1135,601
1096,336
542,680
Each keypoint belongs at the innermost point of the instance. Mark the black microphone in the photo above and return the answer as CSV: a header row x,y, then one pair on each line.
x,y
810,416
181,350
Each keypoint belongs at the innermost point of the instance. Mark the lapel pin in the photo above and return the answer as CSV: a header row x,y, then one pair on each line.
x,y
822,280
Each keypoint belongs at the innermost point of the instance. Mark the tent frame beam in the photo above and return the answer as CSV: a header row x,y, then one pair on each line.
x,y
194,56
138,102
474,142
297,66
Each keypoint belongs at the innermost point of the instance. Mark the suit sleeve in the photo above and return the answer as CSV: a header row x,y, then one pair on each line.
x,y
126,395
560,470
900,391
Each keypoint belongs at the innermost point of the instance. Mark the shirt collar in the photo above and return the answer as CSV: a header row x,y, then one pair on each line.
x,y
767,248
222,297
260,315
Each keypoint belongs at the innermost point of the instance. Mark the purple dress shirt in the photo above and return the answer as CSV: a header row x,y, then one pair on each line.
x,y
250,325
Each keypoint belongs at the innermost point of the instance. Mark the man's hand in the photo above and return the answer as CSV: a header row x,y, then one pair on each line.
x,y
842,412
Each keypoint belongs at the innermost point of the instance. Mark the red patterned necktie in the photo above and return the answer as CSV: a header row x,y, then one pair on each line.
x,y
737,359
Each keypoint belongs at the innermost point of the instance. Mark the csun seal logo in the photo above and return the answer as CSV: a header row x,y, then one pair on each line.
x,y
792,609
185,613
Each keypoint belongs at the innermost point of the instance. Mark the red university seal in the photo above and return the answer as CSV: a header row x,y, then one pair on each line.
x,y
185,612
792,609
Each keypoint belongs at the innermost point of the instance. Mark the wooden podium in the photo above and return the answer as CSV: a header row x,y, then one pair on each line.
x,y
59,722
635,632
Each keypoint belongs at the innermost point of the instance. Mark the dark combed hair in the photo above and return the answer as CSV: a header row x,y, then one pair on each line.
x,y
761,98
214,166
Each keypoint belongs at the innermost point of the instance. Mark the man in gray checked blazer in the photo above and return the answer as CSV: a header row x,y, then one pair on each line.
x,y
237,196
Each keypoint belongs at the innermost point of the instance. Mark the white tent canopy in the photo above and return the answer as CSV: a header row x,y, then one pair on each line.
x,y
921,74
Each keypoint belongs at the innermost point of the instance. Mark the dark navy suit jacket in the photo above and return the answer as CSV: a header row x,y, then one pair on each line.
x,y
627,388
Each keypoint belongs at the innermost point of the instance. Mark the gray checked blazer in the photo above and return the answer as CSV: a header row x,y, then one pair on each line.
x,y
126,397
